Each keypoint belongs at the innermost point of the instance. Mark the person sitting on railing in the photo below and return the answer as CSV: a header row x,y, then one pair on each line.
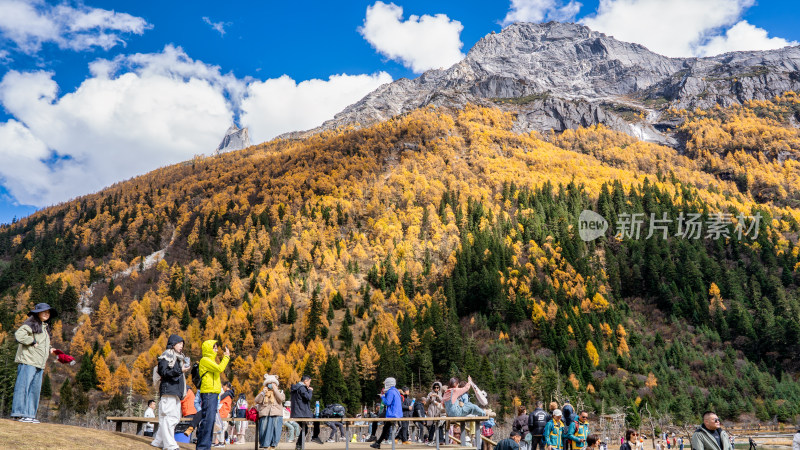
x,y
453,404
291,425
334,411
190,405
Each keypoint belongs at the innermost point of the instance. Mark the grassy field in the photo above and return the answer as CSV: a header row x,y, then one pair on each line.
x,y
14,434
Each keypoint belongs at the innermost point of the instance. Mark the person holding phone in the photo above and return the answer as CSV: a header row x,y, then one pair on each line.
x,y
210,388
302,393
270,413
172,368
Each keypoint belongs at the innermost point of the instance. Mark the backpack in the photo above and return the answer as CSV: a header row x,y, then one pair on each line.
x,y
252,414
197,380
333,410
568,413
156,378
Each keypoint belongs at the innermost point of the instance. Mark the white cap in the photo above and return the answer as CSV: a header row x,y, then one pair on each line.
x,y
557,413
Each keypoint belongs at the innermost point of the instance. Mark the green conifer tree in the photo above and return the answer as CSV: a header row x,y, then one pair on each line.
x,y
334,389
47,386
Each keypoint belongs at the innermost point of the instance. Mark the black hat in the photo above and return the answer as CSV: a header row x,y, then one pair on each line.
x,y
40,307
173,340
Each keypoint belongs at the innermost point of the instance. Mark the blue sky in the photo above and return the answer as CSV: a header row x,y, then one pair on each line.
x,y
96,92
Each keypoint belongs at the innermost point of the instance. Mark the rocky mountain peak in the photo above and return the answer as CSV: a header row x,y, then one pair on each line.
x,y
556,76
235,139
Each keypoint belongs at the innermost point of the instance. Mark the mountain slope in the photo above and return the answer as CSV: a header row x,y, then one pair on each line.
x,y
443,243
559,76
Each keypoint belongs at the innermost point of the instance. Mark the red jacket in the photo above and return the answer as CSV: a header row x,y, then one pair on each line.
x,y
225,407
187,404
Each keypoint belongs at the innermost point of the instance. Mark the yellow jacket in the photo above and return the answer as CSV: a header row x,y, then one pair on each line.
x,y
210,370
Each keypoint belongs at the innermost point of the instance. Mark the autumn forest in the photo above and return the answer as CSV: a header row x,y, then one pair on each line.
x,y
438,243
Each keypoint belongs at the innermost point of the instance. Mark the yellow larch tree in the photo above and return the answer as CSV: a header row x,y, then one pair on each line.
x,y
594,357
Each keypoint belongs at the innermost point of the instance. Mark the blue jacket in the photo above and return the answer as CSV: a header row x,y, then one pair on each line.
x,y
393,402
578,432
554,434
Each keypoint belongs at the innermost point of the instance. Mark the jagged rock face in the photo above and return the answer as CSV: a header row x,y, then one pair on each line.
x,y
235,139
558,76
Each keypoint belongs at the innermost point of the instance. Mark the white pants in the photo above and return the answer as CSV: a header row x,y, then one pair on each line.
x,y
169,414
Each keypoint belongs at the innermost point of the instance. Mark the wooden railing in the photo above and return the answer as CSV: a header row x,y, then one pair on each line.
x,y
348,422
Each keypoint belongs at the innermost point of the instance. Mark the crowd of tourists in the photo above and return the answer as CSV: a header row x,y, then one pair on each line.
x,y
558,428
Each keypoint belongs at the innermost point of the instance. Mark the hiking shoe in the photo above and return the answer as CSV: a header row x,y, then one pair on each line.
x,y
375,445
371,439
317,441
188,431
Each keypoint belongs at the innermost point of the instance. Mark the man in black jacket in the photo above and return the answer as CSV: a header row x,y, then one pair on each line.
x,y
408,408
537,420
301,408
171,382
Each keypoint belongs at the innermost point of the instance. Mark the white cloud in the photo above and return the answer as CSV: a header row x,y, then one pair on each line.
x,y
742,36
142,111
107,130
680,27
219,27
23,173
419,43
31,23
279,105
539,10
